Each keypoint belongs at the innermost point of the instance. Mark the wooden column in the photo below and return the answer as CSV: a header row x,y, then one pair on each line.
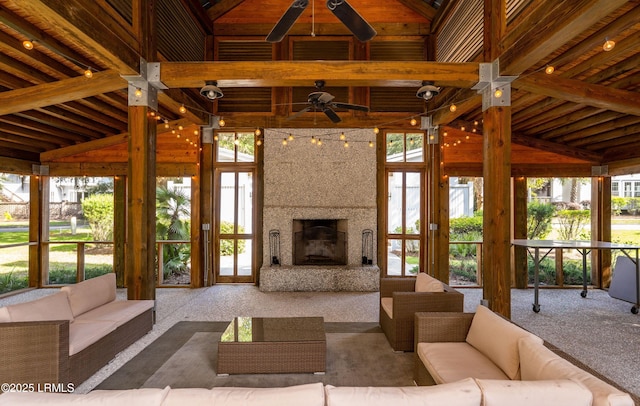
x,y
601,267
439,211
519,201
497,205
196,239
141,205
38,226
119,228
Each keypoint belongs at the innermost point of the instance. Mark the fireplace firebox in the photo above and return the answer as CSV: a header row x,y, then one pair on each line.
x,y
320,242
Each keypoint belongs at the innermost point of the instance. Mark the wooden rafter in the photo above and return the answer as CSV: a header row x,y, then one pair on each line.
x,y
421,8
221,8
59,92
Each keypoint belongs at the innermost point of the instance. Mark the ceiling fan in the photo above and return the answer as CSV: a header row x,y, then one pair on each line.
x,y
323,101
340,8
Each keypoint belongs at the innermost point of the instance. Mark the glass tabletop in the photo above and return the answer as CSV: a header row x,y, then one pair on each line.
x,y
274,329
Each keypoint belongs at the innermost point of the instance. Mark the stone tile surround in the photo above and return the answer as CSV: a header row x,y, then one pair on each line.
x,y
305,181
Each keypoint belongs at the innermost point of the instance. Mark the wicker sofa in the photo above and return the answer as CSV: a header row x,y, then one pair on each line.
x,y
484,345
399,301
67,336
468,392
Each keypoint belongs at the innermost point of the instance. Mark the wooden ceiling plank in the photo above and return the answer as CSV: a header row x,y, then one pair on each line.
x,y
22,70
304,73
610,138
590,126
27,142
49,119
59,92
556,148
35,135
97,130
559,26
36,126
7,142
75,20
580,92
567,115
221,8
420,7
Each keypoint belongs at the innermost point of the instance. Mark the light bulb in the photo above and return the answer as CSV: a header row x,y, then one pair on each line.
x,y
549,70
376,130
27,44
259,142
313,139
196,132
414,121
88,73
608,45
236,141
182,109
138,92
453,108
257,132
180,128
342,137
498,93
462,128
221,122
215,137
371,144
346,144
284,141
319,142
290,137
166,123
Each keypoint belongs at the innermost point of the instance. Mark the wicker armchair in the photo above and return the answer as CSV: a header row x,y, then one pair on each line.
x,y
398,327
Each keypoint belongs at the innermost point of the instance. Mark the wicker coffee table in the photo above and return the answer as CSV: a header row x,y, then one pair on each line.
x,y
273,345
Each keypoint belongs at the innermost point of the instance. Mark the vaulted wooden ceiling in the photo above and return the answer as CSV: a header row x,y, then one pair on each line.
x,y
587,110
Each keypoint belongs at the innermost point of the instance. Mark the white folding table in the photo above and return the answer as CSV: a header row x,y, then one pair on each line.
x,y
584,248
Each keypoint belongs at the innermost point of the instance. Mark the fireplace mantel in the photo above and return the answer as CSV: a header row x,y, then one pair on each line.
x,y
304,278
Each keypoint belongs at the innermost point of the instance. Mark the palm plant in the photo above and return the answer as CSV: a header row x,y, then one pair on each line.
x,y
173,213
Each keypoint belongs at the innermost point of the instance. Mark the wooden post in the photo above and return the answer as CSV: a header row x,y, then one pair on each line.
x,y
80,275
196,240
141,202
119,228
520,267
497,208
38,253
601,266
439,210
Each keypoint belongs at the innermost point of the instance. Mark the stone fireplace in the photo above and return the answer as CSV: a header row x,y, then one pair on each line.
x,y
326,197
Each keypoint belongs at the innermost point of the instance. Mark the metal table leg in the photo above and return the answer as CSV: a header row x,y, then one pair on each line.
x,y
536,280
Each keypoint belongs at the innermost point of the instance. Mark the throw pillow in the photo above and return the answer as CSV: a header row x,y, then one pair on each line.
x,y
427,283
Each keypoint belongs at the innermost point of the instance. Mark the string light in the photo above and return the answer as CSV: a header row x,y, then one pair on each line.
x,y
376,130
180,128
257,132
608,45
27,44
413,121
166,123
138,92
284,141
196,132
342,137
370,144
290,137
453,108
258,142
549,70
498,93
221,122
319,142
313,139
88,73
346,144
182,109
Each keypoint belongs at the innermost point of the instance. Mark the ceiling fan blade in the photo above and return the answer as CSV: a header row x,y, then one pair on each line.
x,y
299,113
287,20
350,106
351,19
331,114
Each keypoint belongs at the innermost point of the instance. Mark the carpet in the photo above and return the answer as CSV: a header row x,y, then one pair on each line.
x,y
358,354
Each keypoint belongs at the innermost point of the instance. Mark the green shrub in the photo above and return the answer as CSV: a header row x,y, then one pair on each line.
x,y
572,223
13,281
98,210
465,250
464,270
464,225
572,271
539,217
226,245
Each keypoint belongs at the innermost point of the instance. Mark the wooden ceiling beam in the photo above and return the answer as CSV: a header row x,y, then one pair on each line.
x,y
37,127
18,166
26,143
421,8
49,119
538,38
35,135
624,166
304,73
580,92
221,8
468,101
7,141
304,29
318,119
62,91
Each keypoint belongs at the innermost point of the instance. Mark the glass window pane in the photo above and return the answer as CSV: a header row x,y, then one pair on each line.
x,y
245,203
244,257
227,252
394,207
226,147
394,257
415,147
227,202
411,257
412,201
395,147
246,147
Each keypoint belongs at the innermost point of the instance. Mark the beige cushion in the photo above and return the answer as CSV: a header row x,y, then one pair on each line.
x,y
533,393
51,307
461,393
427,283
118,311
91,293
138,397
497,338
5,317
83,334
540,363
386,303
309,395
453,361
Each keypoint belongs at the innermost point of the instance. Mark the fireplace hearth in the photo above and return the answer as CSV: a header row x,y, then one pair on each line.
x,y
319,242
